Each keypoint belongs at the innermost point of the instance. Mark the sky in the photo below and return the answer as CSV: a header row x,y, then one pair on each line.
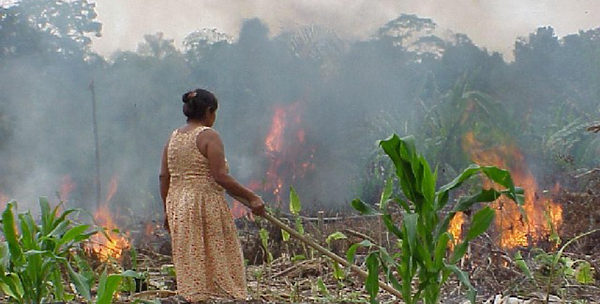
x,y
493,24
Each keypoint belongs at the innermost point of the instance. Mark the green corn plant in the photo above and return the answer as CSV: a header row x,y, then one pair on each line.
x,y
33,252
108,284
423,255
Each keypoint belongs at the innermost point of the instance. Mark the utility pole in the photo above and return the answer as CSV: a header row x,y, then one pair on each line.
x,y
96,143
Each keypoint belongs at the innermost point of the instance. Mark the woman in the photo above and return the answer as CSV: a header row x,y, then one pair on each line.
x,y
193,178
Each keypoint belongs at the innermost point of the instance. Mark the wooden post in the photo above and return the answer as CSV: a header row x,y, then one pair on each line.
x,y
96,145
320,224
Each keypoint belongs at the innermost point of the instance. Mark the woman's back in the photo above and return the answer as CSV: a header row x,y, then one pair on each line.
x,y
186,163
206,251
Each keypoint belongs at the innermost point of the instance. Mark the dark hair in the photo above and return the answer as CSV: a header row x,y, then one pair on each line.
x,y
196,102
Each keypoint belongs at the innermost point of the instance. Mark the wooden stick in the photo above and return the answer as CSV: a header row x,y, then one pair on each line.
x,y
361,273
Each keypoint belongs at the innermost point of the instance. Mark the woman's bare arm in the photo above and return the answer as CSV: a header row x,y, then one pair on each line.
x,y
210,145
164,178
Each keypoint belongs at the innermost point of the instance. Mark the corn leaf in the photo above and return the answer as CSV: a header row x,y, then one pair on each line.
x,y
351,252
522,265
480,223
464,278
10,234
107,287
372,282
295,204
386,194
335,236
363,208
71,234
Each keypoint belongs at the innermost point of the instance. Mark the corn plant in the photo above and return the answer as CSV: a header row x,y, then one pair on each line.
x,y
32,254
423,233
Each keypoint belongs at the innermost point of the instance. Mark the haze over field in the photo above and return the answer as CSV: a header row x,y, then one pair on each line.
x,y
494,24
306,90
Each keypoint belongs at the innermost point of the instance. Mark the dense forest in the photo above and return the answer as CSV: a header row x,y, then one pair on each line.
x,y
337,97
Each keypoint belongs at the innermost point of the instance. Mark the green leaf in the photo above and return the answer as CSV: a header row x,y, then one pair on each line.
x,y
401,152
80,282
322,287
59,290
46,215
522,265
389,224
466,174
464,278
134,259
485,195
480,223
372,282
295,204
12,286
351,252
363,208
264,237
338,272
427,183
299,226
403,204
107,287
440,250
584,274
132,274
410,224
335,236
10,234
285,235
499,176
298,257
71,234
386,194
459,251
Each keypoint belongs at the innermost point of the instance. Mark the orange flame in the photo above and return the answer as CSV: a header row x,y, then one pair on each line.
x,y
238,210
274,140
455,228
288,158
514,230
113,247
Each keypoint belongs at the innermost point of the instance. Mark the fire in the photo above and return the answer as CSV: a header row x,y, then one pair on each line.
x,y
285,145
113,247
274,140
455,228
514,230
238,210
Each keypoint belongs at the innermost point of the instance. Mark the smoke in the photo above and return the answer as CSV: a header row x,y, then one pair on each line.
x,y
350,90
494,25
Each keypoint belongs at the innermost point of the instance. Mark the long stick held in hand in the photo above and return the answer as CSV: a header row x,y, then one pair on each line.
x,y
363,274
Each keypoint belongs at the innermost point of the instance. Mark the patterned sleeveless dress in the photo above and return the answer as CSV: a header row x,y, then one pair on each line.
x,y
206,250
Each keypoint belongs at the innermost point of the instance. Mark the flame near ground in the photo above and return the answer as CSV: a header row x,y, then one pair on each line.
x,y
513,229
113,246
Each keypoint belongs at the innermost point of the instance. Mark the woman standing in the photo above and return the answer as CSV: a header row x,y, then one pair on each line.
x,y
193,178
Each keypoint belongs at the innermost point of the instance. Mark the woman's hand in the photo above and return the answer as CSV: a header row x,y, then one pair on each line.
x,y
257,205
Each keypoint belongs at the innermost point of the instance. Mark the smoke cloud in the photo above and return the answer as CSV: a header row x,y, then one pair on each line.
x,y
494,25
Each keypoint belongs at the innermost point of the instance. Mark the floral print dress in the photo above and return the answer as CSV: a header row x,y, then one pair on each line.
x,y
206,249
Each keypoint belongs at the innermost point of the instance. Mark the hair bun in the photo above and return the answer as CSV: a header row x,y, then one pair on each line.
x,y
187,97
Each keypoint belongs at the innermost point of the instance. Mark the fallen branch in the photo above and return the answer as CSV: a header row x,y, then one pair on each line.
x,y
359,235
357,270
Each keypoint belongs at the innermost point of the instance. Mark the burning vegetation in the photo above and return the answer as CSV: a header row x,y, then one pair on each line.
x,y
304,108
540,217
